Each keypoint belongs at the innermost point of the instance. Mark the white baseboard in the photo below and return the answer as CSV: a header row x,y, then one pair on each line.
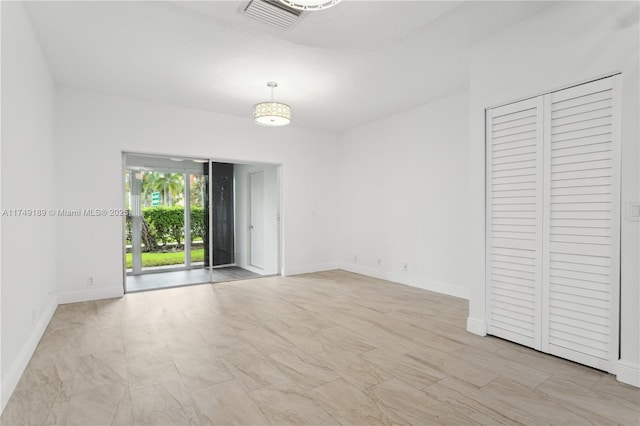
x,y
308,269
410,280
253,269
629,373
11,379
90,294
476,326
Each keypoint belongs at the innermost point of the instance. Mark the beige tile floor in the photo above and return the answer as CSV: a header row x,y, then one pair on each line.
x,y
325,348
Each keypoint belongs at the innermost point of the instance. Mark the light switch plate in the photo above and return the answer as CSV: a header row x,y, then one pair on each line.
x,y
633,211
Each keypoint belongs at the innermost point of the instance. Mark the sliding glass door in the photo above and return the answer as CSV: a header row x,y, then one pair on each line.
x,y
195,224
165,228
195,221
221,215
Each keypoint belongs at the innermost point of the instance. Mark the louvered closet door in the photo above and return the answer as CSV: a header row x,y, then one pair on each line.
x,y
581,227
514,221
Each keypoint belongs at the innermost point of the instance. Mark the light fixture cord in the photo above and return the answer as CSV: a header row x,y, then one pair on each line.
x,y
271,93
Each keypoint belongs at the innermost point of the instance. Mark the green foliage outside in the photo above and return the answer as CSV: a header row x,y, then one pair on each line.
x,y
169,185
198,227
167,223
171,188
163,259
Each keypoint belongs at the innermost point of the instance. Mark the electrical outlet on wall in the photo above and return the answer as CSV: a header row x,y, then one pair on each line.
x,y
405,267
90,282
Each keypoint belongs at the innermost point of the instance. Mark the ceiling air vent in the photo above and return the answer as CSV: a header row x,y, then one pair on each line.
x,y
273,13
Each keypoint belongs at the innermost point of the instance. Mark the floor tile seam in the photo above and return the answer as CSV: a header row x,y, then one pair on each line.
x,y
246,393
613,399
280,366
567,405
605,395
395,376
513,419
452,408
363,391
191,393
252,399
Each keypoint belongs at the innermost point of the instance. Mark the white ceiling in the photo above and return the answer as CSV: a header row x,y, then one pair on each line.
x,y
337,68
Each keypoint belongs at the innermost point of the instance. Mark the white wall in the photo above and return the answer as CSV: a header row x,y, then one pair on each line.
x,y
28,175
94,129
404,197
406,189
271,207
570,43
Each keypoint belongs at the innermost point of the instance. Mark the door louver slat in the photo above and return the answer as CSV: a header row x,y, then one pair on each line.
x,y
582,225
513,200
552,222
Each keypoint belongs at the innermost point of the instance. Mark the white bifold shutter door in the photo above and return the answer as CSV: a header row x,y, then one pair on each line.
x,y
553,223
514,221
581,237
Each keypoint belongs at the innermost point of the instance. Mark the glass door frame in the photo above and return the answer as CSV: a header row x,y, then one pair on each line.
x,y
135,188
188,238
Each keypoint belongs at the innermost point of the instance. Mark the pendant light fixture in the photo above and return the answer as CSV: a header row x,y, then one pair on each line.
x,y
272,113
310,4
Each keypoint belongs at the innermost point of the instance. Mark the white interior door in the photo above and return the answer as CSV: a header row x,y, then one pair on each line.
x,y
256,220
581,241
553,223
514,221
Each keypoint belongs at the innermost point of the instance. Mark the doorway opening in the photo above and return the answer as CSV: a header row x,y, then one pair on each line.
x,y
194,221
